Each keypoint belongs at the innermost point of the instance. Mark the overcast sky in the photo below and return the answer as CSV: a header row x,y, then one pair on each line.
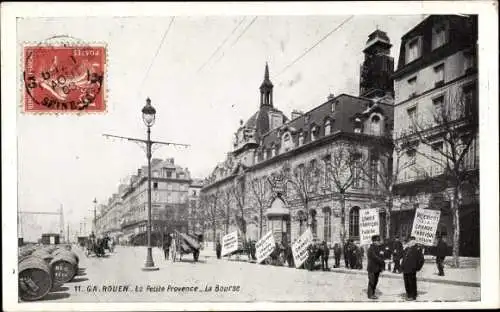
x,y
66,160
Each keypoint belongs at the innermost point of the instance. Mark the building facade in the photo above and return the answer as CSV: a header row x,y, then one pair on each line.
x,y
316,170
172,193
436,103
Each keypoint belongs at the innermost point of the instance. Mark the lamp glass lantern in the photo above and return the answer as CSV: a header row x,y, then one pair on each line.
x,y
148,113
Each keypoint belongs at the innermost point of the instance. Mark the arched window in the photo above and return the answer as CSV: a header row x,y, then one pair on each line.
x,y
327,127
327,227
354,222
376,125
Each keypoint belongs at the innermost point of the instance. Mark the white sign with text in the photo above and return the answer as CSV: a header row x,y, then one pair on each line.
x,y
425,225
229,243
299,248
369,225
265,246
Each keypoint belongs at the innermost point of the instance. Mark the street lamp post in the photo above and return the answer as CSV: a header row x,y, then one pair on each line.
x,y
148,116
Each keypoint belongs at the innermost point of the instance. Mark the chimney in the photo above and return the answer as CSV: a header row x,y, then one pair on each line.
x,y
330,97
296,114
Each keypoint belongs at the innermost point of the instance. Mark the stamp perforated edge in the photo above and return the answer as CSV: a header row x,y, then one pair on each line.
x,y
56,41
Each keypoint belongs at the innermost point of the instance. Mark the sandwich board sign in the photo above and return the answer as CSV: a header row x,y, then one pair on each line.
x,y
299,248
265,246
425,226
230,243
369,225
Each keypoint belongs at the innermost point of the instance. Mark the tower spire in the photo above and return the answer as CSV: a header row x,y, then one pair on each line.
x,y
266,89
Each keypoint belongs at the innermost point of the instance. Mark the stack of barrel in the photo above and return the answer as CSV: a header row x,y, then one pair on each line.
x,y
43,267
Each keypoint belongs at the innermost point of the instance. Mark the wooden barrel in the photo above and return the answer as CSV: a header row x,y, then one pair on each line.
x,y
68,253
40,253
64,268
35,279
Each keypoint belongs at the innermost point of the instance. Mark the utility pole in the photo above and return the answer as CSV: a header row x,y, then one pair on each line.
x,y
148,116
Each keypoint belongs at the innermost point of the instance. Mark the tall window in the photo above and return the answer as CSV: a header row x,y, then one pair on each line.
x,y
412,84
314,224
301,138
439,35
438,104
327,127
314,131
354,222
470,99
439,70
356,170
412,114
327,163
437,149
469,60
413,50
327,226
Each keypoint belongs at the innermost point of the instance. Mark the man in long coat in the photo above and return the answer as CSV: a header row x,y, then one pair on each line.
x,y
441,252
336,253
413,261
375,266
397,253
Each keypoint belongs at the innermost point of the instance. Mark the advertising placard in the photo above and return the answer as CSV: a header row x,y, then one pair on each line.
x,y
369,225
425,226
299,248
265,246
229,243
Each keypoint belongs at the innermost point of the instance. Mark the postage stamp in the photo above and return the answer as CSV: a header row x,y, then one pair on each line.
x,y
64,78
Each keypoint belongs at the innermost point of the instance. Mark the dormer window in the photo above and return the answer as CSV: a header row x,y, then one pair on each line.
x,y
327,127
301,138
273,150
357,125
439,35
413,49
376,125
314,133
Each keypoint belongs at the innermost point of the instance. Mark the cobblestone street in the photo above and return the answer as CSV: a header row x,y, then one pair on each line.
x,y
101,278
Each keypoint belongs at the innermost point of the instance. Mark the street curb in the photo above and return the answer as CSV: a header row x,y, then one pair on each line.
x,y
388,275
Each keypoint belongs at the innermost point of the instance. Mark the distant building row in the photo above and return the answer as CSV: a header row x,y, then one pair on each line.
x,y
174,196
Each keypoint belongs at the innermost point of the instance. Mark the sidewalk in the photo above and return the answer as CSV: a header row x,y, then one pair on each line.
x,y
469,273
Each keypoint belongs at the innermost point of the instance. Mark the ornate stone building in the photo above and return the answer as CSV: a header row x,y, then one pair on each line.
x,y
324,163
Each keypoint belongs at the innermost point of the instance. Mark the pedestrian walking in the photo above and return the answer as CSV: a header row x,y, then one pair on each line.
x,y
173,247
397,254
218,249
375,266
441,251
325,254
413,261
353,259
166,246
336,253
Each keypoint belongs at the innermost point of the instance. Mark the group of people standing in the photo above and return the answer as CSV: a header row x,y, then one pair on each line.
x,y
412,261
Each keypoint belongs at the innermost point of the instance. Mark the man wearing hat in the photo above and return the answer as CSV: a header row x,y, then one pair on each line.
x,y
413,261
375,266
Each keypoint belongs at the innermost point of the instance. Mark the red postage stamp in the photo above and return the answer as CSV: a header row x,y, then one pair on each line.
x,y
60,79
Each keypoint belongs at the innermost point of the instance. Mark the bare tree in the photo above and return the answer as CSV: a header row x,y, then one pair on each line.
x,y
226,200
344,171
451,133
259,188
212,210
303,180
239,194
